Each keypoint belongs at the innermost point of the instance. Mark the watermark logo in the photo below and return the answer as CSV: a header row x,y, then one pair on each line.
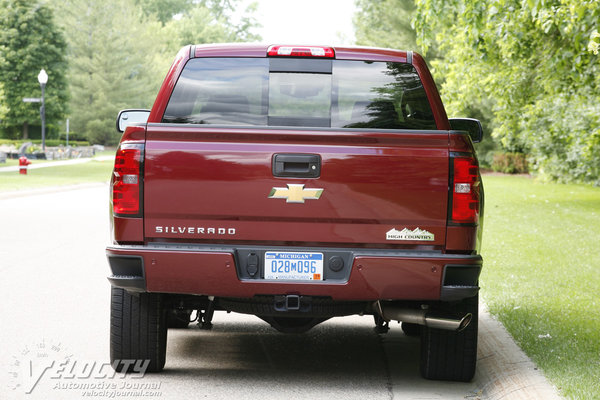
x,y
51,364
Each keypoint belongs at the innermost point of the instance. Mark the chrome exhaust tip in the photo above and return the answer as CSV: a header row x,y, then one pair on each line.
x,y
421,317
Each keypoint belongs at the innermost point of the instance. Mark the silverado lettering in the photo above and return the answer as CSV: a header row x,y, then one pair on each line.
x,y
194,230
297,183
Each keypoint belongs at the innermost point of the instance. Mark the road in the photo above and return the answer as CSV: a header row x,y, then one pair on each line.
x,y
55,310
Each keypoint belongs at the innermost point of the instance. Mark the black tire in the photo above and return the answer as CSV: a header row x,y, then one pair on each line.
x,y
138,330
178,319
412,330
449,355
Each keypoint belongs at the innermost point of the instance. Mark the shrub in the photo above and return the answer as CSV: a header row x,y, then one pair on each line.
x,y
510,163
49,142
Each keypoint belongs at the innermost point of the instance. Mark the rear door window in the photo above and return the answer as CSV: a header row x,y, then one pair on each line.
x,y
300,92
222,91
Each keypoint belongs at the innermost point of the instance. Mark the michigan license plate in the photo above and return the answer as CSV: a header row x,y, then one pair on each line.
x,y
292,266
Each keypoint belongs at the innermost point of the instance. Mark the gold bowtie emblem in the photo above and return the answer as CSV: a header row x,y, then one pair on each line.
x,y
295,193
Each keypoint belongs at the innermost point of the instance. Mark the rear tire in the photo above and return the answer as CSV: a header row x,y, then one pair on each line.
x,y
449,355
138,331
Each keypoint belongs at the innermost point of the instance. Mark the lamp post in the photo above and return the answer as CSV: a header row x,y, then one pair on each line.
x,y
43,79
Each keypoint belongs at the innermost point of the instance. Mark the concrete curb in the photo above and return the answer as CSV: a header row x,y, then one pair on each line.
x,y
504,370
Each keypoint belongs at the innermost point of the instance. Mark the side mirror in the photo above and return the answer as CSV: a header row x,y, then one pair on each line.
x,y
469,125
131,117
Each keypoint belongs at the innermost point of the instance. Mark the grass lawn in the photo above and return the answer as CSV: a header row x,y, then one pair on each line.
x,y
93,171
12,162
541,275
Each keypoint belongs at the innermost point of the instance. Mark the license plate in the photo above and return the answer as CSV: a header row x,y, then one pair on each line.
x,y
292,266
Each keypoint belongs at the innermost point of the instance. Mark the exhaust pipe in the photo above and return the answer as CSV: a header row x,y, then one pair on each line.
x,y
421,317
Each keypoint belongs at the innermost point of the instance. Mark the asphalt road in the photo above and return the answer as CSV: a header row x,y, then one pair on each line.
x,y
54,327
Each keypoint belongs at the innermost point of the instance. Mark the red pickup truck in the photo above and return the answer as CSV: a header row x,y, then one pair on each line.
x,y
297,183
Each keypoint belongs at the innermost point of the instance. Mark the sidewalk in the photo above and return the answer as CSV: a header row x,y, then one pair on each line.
x,y
50,189
45,164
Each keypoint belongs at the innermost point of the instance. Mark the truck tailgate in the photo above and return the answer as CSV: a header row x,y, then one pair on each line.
x,y
378,188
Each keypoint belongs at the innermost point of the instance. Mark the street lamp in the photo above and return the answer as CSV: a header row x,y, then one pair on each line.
x,y
43,79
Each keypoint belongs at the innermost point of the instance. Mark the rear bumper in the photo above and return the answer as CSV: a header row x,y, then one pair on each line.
x,y
367,275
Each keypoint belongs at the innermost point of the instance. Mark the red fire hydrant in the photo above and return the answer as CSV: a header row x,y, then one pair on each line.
x,y
23,163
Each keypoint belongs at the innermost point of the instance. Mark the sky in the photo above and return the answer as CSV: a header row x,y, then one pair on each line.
x,y
306,22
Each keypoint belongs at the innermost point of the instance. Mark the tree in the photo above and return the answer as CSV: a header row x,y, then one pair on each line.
x,y
112,64
30,41
534,62
389,23
386,23
3,108
529,66
164,10
118,59
211,22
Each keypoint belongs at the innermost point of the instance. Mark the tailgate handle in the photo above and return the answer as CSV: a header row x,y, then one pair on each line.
x,y
297,165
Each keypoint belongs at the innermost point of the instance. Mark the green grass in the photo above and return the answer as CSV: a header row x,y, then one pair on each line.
x,y
541,276
11,162
93,171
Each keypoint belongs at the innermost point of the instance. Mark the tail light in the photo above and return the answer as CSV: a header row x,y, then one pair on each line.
x,y
301,51
127,180
465,190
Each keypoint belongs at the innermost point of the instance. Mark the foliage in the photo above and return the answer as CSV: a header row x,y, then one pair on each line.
x,y
3,107
200,21
210,22
533,61
540,275
510,163
164,10
119,58
111,64
49,142
30,41
386,23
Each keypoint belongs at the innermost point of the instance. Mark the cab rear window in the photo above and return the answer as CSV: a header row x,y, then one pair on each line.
x,y
300,92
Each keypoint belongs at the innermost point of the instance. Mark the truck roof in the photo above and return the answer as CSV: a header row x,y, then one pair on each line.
x,y
260,50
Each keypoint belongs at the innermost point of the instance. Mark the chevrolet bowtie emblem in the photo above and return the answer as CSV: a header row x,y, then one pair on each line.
x,y
295,193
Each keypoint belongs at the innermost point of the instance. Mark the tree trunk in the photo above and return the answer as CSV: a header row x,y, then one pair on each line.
x,y
25,130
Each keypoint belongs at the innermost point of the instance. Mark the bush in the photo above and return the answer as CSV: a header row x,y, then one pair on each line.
x,y
49,142
510,163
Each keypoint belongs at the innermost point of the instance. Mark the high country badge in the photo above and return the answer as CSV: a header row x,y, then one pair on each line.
x,y
407,234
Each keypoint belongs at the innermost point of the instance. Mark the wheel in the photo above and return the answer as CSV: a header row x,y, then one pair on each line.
x,y
178,319
450,355
411,330
138,331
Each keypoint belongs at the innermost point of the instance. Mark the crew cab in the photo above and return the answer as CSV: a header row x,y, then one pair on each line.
x,y
297,184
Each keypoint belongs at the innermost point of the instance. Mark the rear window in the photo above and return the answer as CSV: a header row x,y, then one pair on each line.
x,y
300,92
